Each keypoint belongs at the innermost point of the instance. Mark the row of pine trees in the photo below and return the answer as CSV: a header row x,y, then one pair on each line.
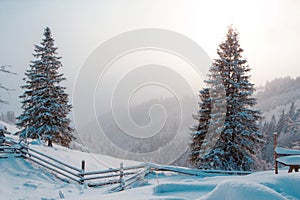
x,y
227,133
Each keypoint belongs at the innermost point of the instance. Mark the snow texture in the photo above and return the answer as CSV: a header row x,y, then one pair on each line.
x,y
285,151
289,160
21,179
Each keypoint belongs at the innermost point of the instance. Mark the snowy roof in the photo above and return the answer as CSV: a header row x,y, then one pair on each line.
x,y
289,160
285,151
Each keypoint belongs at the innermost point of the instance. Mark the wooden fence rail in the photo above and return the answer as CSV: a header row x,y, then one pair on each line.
x,y
124,176
53,159
70,172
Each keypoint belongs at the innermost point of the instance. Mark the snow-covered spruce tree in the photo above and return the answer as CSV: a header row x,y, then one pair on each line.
x,y
239,137
45,104
213,102
199,131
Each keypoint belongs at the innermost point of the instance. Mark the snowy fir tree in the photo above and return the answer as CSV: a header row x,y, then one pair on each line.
x,y
210,117
238,136
45,103
199,131
216,116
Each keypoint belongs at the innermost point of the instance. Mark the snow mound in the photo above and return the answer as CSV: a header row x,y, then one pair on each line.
x,y
242,190
21,180
181,187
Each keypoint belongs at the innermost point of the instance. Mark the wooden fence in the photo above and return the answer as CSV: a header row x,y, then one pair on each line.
x,y
124,177
119,176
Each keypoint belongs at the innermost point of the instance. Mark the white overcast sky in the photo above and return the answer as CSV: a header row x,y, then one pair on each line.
x,y
269,30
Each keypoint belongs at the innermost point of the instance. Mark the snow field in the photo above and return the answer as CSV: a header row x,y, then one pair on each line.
x,y
20,179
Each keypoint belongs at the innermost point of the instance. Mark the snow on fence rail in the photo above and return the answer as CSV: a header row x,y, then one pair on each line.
x,y
124,176
7,148
70,172
76,174
194,172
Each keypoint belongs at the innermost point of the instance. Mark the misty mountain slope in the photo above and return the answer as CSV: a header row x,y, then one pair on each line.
x,y
152,125
277,95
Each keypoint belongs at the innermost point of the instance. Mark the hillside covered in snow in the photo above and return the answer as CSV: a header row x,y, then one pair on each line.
x,y
22,179
277,95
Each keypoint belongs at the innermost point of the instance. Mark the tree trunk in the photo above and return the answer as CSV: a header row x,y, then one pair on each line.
x,y
50,143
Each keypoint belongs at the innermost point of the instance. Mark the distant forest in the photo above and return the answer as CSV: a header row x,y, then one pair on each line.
x,y
279,102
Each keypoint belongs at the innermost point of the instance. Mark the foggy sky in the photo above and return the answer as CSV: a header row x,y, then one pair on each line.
x,y
269,31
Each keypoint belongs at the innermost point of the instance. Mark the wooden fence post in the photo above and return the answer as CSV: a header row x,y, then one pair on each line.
x,y
122,181
275,154
82,170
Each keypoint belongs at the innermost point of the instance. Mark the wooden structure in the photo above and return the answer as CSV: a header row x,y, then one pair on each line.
x,y
70,173
122,178
286,157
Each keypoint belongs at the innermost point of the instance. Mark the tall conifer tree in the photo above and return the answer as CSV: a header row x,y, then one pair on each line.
x,y
238,136
199,131
45,103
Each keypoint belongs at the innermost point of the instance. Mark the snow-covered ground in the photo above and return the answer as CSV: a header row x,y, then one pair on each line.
x,y
20,179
